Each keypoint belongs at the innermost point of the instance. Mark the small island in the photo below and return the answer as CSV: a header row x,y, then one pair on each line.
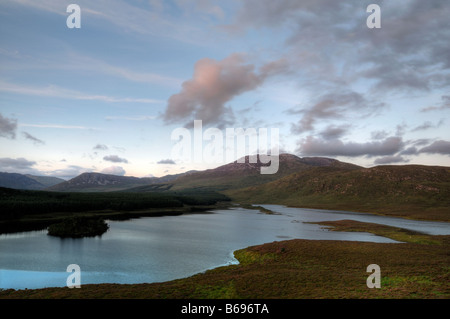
x,y
78,227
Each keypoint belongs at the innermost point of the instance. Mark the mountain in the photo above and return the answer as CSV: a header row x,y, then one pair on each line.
x,y
237,175
30,182
46,181
98,182
406,190
229,176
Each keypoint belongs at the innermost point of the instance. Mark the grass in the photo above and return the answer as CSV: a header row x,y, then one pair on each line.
x,y
298,269
409,191
395,233
260,208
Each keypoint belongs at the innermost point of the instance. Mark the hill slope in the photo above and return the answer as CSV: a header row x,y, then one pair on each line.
x,y
46,181
97,182
238,175
20,181
409,190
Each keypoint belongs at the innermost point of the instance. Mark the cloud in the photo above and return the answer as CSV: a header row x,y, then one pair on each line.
x,y
330,44
115,159
166,161
128,18
427,125
11,164
334,132
100,147
202,6
32,138
445,104
332,106
311,146
114,170
437,147
213,84
57,126
8,127
90,64
390,159
409,151
69,172
379,135
58,92
131,118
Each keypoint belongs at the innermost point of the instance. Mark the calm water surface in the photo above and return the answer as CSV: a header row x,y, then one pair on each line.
x,y
155,249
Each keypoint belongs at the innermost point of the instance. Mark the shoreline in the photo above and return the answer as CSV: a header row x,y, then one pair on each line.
x,y
41,222
413,246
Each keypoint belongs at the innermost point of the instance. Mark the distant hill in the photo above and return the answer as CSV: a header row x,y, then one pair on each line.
x,y
46,181
30,182
98,182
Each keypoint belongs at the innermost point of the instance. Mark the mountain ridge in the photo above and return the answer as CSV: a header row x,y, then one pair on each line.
x,y
231,175
27,181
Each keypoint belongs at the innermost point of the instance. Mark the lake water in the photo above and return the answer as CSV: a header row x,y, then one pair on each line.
x,y
156,249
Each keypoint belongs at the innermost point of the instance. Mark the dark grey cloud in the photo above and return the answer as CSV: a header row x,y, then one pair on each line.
x,y
391,159
115,159
311,146
8,127
437,147
334,106
100,147
331,43
214,84
166,161
409,151
10,164
332,132
30,137
421,142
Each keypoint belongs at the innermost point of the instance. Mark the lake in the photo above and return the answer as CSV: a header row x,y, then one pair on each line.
x,y
156,249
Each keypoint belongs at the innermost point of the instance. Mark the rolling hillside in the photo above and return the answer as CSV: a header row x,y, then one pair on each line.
x,y
412,191
238,175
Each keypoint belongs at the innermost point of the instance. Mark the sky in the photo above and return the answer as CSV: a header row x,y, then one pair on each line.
x,y
106,97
